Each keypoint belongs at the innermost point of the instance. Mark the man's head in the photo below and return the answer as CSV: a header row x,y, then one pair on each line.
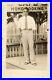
x,y
25,11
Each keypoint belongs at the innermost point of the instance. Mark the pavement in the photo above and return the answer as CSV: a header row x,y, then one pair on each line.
x,y
19,63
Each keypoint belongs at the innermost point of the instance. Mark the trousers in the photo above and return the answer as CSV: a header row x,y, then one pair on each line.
x,y
27,41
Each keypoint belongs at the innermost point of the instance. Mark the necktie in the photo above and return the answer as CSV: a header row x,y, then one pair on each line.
x,y
26,23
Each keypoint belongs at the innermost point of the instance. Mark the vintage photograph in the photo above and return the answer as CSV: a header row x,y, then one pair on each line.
x,y
25,34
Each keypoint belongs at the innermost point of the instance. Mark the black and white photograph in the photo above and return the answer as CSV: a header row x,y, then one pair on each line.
x,y
26,39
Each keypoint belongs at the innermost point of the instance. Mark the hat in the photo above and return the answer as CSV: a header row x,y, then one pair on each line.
x,y
25,9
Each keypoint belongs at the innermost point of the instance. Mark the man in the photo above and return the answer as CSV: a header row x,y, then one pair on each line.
x,y
27,25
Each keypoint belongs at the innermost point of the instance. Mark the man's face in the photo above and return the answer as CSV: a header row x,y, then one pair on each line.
x,y
25,12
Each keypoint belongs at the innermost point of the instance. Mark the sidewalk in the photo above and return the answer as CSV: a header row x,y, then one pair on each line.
x,y
18,63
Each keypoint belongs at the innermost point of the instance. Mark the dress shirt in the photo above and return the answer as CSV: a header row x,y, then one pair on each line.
x,y
30,23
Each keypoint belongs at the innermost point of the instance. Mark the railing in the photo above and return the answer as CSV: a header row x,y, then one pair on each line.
x,y
40,45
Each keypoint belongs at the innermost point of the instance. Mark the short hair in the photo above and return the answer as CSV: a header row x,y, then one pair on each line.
x,y
27,10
